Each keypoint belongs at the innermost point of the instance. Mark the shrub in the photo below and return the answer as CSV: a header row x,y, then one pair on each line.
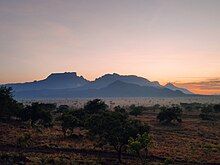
x,y
69,122
216,108
95,106
167,115
63,108
140,145
136,110
119,109
115,129
35,114
8,106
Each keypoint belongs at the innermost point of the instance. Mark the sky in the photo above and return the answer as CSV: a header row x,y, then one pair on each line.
x,y
167,41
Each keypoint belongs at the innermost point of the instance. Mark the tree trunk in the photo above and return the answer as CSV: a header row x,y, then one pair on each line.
x,y
119,156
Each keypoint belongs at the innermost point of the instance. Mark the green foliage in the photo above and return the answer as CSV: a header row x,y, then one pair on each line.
x,y
119,109
69,122
62,108
216,108
167,115
95,106
8,106
139,146
191,106
136,110
72,119
115,129
36,115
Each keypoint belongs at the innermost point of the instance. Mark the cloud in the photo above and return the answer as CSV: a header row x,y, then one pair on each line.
x,y
209,86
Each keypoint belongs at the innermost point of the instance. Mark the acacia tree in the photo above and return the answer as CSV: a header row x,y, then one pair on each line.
x,y
169,114
69,122
136,110
115,129
95,106
36,114
8,106
140,145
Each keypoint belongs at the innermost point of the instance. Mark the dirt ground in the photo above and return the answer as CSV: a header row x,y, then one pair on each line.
x,y
192,142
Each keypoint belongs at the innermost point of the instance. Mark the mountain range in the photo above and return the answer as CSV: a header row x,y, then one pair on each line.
x,y
70,85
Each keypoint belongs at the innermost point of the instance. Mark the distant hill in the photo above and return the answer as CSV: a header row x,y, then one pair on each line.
x,y
69,85
115,89
53,81
107,79
174,88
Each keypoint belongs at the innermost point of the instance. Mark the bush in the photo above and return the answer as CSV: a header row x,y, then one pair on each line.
x,y
119,109
95,106
69,122
63,108
115,129
140,145
216,108
8,106
136,110
35,114
167,115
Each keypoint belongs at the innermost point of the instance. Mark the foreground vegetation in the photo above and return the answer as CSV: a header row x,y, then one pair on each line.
x,y
96,134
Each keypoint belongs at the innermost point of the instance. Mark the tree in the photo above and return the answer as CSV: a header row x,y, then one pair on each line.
x,y
8,106
136,110
206,112
115,129
72,119
69,122
35,114
95,106
63,108
167,115
140,145
119,109
216,108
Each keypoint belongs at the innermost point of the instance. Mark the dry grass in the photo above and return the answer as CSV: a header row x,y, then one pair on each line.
x,y
191,141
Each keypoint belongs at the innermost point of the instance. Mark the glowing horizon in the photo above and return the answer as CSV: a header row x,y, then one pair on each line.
x,y
167,41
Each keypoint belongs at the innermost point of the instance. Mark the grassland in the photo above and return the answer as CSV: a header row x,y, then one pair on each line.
x,y
194,141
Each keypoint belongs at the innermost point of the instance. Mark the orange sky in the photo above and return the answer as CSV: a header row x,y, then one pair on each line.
x,y
166,41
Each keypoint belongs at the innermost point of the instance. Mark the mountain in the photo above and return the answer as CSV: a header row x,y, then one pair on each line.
x,y
174,88
115,89
53,81
70,85
107,79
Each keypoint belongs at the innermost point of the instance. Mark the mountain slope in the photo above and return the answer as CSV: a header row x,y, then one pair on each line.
x,y
53,81
174,88
107,79
115,89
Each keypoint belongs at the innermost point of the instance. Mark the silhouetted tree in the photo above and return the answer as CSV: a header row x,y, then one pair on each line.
x,y
36,114
140,146
136,110
167,115
95,106
8,106
68,123
63,108
115,129
216,108
119,109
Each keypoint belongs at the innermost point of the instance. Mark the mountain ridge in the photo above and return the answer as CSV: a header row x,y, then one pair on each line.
x,y
175,88
69,84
